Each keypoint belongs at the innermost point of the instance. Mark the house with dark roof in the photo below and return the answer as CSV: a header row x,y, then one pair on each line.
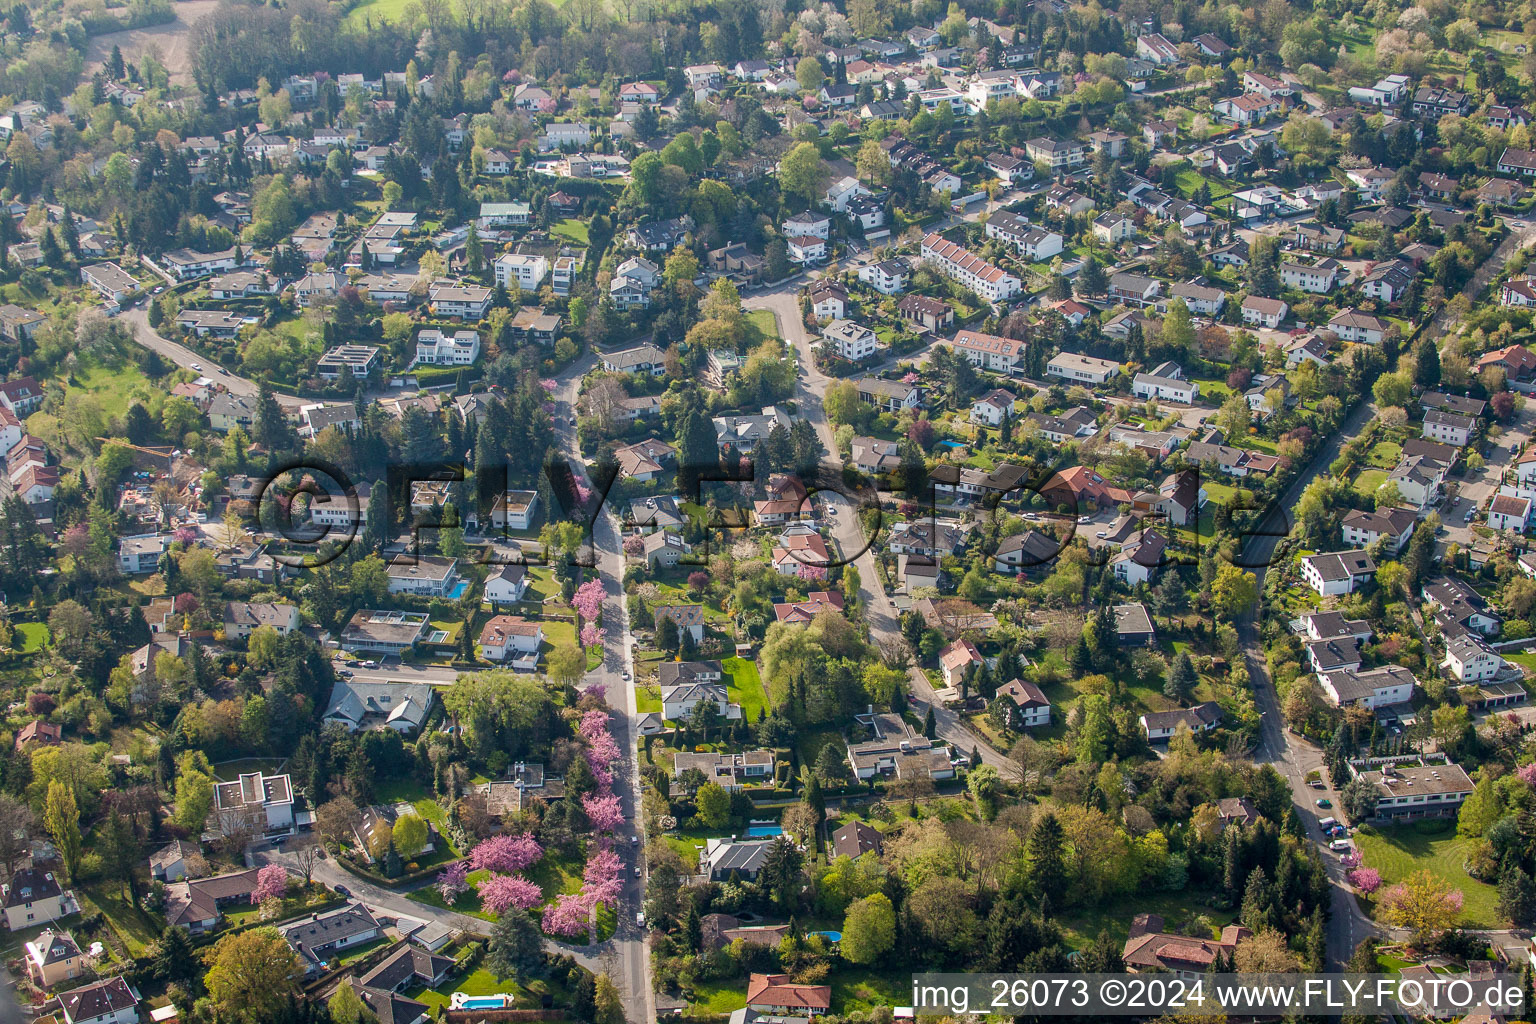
x,y
319,938
1030,552
409,967
1133,625
109,1001
1162,725
722,858
52,958
1026,704
855,839
198,904
34,896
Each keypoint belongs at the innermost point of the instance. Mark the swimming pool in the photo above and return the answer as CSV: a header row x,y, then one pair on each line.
x,y
834,936
460,1001
759,831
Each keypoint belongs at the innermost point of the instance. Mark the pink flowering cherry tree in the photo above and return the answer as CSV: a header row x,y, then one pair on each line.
x,y
603,811
454,882
588,600
271,884
570,915
1527,773
1367,880
505,854
499,892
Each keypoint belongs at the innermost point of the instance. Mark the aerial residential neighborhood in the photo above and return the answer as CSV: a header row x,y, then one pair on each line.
x,y
615,512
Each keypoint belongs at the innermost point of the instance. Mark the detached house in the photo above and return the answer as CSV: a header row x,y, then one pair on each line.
x,y
33,897
1337,572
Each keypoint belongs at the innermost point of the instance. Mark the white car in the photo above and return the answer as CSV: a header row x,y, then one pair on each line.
x,y
196,367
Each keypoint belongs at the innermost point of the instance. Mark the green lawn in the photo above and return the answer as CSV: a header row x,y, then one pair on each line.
x,y
1385,455
430,810
1184,912
1400,851
115,388
762,322
573,231
469,903
135,927
1370,480
745,687
229,771
648,699
377,11
483,983
31,636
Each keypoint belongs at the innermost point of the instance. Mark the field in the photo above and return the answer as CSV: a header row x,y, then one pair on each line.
x,y
745,688
573,231
1398,852
377,11
763,322
114,388
171,42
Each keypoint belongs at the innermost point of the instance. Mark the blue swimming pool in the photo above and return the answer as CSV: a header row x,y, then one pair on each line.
x,y
456,593
480,1002
765,830
834,936
949,444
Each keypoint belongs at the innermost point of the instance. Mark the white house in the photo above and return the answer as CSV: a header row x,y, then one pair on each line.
x,y
1029,708
1469,659
678,701
1166,383
266,801
1081,369
1163,725
34,897
1262,312
1317,278
508,585
510,638
993,408
423,575
1448,427
1373,688
1359,327
985,279
989,350
524,270
109,1001
805,249
461,348
1338,572
888,277
850,340
1508,512
814,225
1365,528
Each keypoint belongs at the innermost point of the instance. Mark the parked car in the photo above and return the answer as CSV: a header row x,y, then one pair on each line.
x,y
341,890
1317,784
1324,802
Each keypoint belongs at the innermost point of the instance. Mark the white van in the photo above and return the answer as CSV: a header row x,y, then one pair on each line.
x,y
1341,846
1326,823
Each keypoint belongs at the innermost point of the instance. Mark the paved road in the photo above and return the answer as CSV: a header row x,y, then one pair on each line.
x,y
879,612
1294,756
624,957
175,352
